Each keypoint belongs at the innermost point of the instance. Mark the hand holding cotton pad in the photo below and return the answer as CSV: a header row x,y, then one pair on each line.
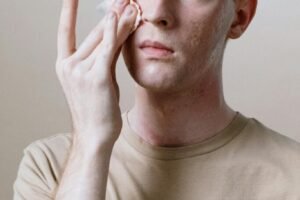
x,y
105,5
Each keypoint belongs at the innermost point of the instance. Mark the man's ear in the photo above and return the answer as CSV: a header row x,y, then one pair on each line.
x,y
244,13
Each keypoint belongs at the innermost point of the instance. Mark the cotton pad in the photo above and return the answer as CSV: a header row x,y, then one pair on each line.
x,y
105,5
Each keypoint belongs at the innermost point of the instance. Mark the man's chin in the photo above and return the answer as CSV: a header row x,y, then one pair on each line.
x,y
154,75
155,85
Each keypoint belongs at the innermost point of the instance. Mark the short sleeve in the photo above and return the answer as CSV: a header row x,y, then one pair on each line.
x,y
35,179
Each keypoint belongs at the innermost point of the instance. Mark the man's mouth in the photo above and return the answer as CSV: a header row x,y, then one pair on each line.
x,y
155,49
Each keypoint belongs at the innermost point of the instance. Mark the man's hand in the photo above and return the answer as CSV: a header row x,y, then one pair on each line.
x,y
87,74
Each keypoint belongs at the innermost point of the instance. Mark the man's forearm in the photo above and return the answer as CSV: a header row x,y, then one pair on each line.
x,y
85,175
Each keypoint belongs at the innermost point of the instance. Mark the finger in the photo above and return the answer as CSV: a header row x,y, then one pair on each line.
x,y
116,56
66,39
118,6
126,24
96,35
91,42
113,72
88,63
107,48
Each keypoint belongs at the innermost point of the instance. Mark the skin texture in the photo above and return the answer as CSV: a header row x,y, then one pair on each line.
x,y
180,101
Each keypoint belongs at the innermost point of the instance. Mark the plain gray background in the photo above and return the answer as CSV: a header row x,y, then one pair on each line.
x,y
261,74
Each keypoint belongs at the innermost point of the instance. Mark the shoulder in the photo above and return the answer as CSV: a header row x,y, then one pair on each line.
x,y
57,142
262,140
41,167
49,152
54,149
47,155
269,135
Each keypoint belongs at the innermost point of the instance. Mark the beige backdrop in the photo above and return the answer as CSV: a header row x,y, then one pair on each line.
x,y
261,74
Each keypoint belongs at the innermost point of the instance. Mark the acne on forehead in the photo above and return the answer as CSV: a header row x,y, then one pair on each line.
x,y
105,5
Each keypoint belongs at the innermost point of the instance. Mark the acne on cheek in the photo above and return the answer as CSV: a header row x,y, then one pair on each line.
x,y
200,39
195,38
203,39
207,30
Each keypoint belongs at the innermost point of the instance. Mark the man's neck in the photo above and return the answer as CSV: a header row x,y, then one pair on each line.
x,y
180,119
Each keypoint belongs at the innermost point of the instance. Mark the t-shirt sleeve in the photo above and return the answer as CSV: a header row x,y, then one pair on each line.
x,y
36,179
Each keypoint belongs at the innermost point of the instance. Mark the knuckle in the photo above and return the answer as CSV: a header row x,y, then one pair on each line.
x,y
102,56
100,82
66,66
77,74
66,71
108,46
79,77
69,63
64,29
59,69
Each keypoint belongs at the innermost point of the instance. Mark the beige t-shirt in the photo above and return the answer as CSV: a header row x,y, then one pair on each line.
x,y
244,161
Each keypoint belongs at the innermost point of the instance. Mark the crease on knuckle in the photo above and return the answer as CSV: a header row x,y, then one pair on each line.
x,y
103,55
108,46
100,82
67,65
77,74
64,30
69,62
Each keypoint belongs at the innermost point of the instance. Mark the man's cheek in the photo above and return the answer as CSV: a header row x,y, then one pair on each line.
x,y
196,35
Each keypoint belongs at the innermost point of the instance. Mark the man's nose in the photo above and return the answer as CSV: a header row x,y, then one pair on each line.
x,y
158,12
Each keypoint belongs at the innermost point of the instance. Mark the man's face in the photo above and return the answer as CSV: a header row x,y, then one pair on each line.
x,y
196,31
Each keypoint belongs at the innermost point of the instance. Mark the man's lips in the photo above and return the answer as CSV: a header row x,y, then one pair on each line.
x,y
155,45
154,49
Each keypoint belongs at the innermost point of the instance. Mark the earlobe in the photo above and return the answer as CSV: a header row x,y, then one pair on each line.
x,y
245,11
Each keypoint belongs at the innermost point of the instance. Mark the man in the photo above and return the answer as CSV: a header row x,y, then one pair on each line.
x,y
180,141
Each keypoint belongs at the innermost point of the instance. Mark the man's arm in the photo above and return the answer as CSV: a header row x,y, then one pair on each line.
x,y
85,176
92,93
90,87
